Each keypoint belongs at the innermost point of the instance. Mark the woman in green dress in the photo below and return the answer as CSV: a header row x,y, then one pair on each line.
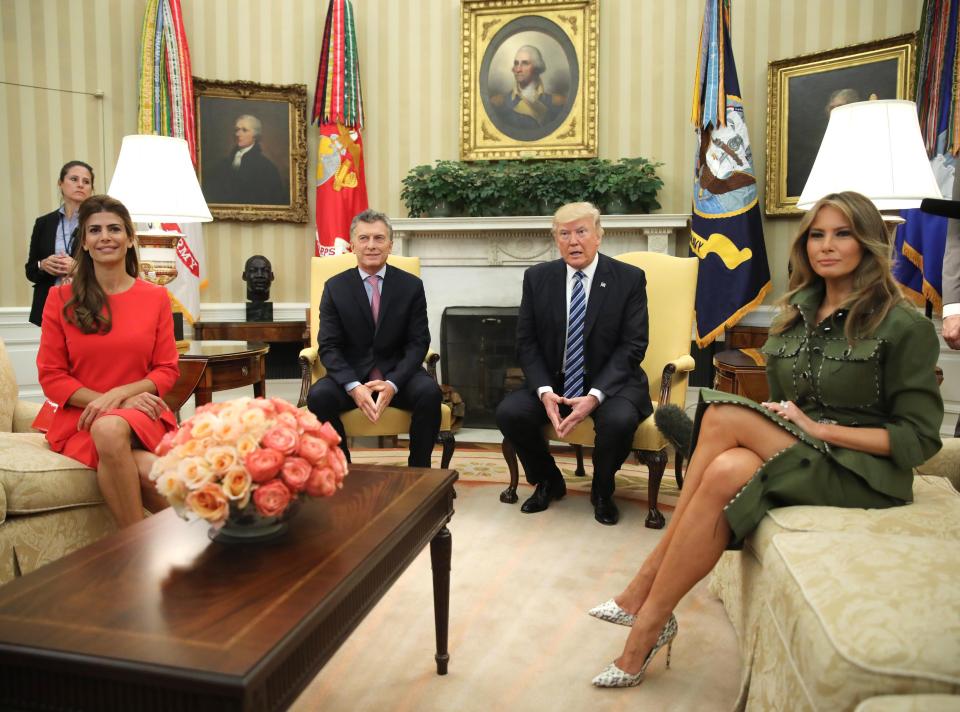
x,y
854,407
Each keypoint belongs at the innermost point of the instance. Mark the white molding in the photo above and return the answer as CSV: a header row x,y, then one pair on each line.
x,y
237,311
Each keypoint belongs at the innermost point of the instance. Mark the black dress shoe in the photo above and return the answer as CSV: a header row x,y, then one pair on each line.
x,y
605,511
544,493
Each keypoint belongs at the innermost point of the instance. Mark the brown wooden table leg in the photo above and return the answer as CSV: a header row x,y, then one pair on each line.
x,y
202,397
441,547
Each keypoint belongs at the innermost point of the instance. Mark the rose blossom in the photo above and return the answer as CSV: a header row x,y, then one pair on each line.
x,y
295,473
183,434
195,447
170,485
282,439
236,486
265,405
283,407
313,449
308,422
194,472
221,458
253,419
322,482
328,433
271,498
227,430
166,443
203,425
287,419
209,502
246,444
263,463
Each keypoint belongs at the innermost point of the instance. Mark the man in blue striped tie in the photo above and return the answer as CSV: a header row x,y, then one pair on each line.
x,y
581,335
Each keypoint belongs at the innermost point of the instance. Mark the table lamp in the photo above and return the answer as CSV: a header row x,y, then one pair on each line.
x,y
155,180
874,148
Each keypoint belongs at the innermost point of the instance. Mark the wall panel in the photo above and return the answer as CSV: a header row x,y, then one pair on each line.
x,y
410,70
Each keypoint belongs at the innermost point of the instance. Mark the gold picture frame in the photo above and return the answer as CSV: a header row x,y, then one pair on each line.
x,y
269,181
802,90
556,117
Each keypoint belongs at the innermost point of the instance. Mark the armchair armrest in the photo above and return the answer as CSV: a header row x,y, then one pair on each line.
x,y
311,370
681,364
945,463
430,363
23,416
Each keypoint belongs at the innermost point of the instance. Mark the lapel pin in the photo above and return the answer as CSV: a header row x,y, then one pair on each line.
x,y
603,284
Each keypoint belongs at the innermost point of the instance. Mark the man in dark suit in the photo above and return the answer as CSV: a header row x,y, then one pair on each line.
x,y
581,335
373,343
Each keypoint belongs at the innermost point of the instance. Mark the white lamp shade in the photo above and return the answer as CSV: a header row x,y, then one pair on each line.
x,y
874,148
154,179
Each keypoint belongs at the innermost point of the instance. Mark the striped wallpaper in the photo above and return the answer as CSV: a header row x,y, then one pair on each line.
x,y
68,90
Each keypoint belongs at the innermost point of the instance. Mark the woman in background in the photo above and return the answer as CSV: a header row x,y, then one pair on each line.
x,y
107,355
855,406
51,244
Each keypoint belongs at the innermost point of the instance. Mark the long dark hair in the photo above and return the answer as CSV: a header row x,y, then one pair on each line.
x,y
89,309
874,291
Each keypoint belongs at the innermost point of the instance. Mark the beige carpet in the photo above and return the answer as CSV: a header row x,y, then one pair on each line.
x,y
478,464
520,638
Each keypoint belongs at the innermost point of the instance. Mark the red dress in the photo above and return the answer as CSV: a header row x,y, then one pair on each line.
x,y
139,345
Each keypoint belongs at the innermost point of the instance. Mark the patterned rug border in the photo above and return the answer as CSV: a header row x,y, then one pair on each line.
x,y
476,465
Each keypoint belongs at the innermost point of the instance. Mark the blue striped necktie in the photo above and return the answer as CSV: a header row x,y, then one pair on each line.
x,y
573,365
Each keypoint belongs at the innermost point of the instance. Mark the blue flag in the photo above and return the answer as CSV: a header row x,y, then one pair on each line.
x,y
921,241
726,230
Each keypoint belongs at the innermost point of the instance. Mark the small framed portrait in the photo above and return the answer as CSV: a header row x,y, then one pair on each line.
x,y
252,149
801,93
528,79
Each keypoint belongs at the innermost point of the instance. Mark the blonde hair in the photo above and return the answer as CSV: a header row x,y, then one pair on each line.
x,y
874,291
575,211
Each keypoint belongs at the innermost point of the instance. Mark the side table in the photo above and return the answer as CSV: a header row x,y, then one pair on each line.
x,y
742,372
286,339
228,364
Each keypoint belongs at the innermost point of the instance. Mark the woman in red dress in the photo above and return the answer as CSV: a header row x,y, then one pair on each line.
x,y
107,355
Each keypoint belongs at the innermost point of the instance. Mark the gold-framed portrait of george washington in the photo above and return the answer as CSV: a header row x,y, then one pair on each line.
x,y
528,81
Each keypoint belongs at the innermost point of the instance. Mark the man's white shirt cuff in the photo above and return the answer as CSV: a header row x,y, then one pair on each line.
x,y
595,392
951,310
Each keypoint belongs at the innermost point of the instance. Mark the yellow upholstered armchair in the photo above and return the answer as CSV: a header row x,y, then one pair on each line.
x,y
671,287
393,421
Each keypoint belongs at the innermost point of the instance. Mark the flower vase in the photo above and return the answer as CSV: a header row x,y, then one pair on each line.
x,y
246,526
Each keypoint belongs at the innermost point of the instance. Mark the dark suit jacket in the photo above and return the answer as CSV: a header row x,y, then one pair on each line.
x,y
350,344
615,332
255,182
43,243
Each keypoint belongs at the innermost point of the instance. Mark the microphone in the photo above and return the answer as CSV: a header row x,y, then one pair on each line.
x,y
676,427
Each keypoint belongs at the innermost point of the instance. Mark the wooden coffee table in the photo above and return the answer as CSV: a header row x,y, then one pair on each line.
x,y
158,617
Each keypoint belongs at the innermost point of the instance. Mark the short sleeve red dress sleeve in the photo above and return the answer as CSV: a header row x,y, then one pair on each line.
x,y
139,345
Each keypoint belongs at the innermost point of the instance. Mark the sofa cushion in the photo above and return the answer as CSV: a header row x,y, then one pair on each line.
x,y
35,479
910,703
8,390
859,615
934,512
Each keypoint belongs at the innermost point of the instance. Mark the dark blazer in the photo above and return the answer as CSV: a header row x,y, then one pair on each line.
x,y
350,344
255,182
43,243
615,332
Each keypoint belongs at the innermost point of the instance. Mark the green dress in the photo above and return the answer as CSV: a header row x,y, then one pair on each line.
x,y
885,381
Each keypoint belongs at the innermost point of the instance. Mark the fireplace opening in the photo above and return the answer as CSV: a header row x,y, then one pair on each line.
x,y
478,358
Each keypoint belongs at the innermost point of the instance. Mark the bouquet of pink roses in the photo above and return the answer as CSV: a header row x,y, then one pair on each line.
x,y
247,458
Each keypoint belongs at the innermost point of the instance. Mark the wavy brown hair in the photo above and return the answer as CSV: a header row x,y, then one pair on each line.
x,y
874,292
88,308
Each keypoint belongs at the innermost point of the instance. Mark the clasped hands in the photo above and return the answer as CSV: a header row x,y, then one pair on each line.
x,y
363,396
580,408
788,410
58,265
147,403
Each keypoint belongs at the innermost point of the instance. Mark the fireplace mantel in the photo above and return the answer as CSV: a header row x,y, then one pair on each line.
x,y
526,240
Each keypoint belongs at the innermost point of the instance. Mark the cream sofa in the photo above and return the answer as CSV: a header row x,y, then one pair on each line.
x,y
852,609
50,505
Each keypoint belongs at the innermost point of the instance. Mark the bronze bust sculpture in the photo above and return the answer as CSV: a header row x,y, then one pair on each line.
x,y
258,274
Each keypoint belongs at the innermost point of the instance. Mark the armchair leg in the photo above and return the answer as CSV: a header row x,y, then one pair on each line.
x,y
656,463
509,495
579,472
449,445
678,469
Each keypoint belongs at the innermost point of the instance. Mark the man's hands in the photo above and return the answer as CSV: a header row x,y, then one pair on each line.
x,y
580,408
363,396
951,331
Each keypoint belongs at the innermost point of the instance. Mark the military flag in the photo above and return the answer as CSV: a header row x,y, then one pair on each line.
x,y
165,108
921,241
338,111
726,233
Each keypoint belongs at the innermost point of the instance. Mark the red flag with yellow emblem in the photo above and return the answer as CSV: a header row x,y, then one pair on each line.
x,y
338,109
